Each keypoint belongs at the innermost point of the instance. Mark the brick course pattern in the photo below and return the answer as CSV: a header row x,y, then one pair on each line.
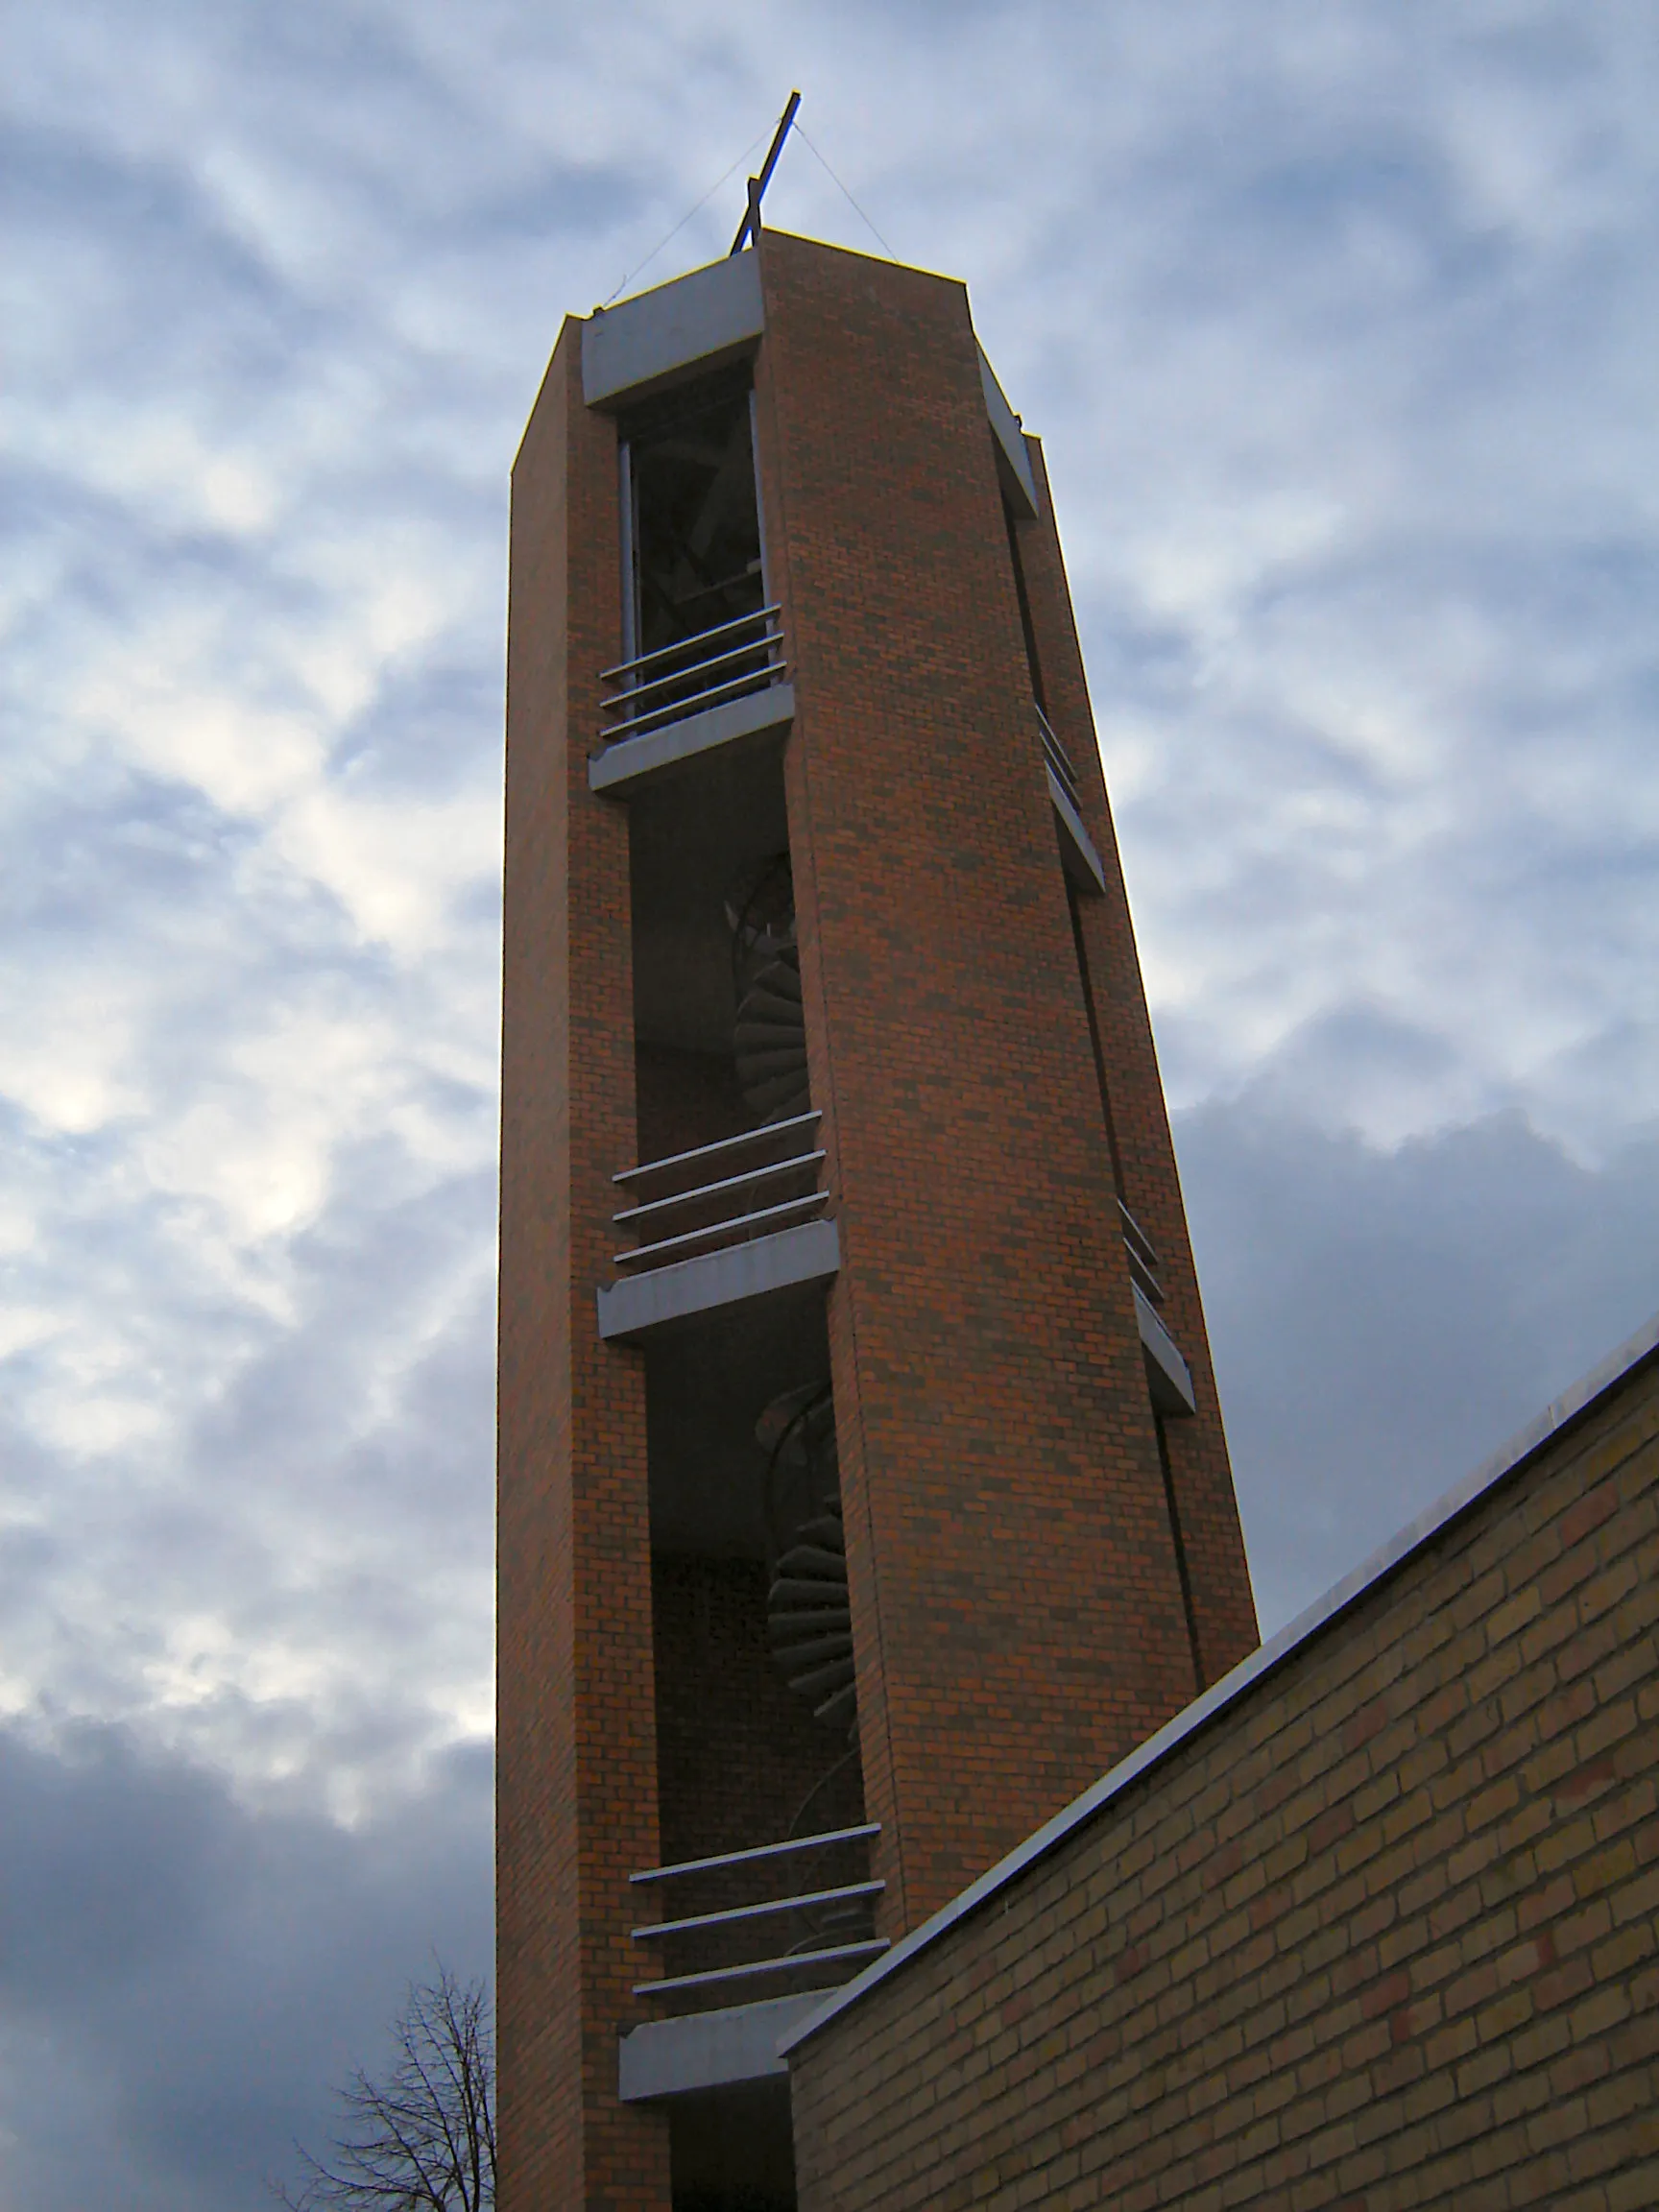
x,y
1206,1510
1018,1613
1381,1934
1015,1580
576,1763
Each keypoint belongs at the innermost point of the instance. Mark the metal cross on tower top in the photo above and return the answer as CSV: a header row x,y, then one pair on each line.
x,y
750,226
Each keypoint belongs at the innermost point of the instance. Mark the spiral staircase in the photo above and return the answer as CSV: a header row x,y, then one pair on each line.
x,y
769,1043
808,1614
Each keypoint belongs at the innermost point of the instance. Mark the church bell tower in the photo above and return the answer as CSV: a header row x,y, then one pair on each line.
x,y
863,1491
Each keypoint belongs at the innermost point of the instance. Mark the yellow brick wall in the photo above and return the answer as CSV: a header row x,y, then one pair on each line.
x,y
1382,1934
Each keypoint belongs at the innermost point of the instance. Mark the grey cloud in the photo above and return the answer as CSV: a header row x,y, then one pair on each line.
x,y
1381,1320
1334,322
185,1980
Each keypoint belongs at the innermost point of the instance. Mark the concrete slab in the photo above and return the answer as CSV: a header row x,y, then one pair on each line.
x,y
636,760
1010,444
1168,1373
1077,854
696,319
708,2050
789,1258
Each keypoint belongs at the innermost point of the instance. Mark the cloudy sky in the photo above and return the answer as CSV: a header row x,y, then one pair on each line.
x,y
1341,325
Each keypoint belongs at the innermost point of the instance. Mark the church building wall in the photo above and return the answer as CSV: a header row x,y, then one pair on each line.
x,y
1372,1924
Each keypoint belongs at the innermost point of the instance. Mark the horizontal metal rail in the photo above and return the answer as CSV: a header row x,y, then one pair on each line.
x,y
1056,755
1136,1236
736,1912
721,1145
759,1851
745,651
746,1181
728,1198
1142,1258
684,645
693,703
733,1223
686,678
790,1963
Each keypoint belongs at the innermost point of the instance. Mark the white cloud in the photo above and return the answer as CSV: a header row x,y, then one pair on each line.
x,y
1336,325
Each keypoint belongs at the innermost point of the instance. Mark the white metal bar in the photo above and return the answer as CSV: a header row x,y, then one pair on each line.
x,y
735,1221
736,1912
746,650
720,1145
698,637
1135,1235
755,1851
775,1167
1047,728
677,709
785,1965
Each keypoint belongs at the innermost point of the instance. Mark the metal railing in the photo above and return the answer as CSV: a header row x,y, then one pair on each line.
x,y
813,1937
719,1194
1057,759
1143,1259
727,663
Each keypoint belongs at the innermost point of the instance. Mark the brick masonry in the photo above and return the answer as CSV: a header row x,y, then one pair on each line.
x,y
1380,1934
1018,1613
576,1790
1015,1580
1223,1607
738,1752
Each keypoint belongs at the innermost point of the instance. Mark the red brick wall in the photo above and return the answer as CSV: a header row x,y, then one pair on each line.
x,y
1224,1609
1380,1934
576,1803
685,1099
1018,1609
739,1752
1018,1615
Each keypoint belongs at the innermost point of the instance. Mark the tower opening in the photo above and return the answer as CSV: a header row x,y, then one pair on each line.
x,y
718,1031
693,554
756,1702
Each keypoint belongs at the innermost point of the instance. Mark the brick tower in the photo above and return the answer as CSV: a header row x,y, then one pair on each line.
x,y
863,1493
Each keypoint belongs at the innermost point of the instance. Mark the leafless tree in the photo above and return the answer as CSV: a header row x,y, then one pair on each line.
x,y
423,2138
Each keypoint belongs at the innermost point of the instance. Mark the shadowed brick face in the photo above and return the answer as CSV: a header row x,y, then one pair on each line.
x,y
576,1750
1017,1578
1382,1934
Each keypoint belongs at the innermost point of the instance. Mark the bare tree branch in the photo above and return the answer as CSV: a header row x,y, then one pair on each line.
x,y
423,2138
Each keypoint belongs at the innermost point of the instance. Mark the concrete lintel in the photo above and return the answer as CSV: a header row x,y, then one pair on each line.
x,y
708,2050
789,1258
657,334
1077,854
1018,480
1168,1373
635,760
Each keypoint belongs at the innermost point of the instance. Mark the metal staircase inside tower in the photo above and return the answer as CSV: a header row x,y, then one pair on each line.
x,y
809,1612
769,1042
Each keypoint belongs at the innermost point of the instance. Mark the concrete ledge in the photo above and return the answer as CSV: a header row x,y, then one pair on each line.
x,y
708,2050
1168,1373
637,761
789,1258
1018,480
1077,854
693,320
